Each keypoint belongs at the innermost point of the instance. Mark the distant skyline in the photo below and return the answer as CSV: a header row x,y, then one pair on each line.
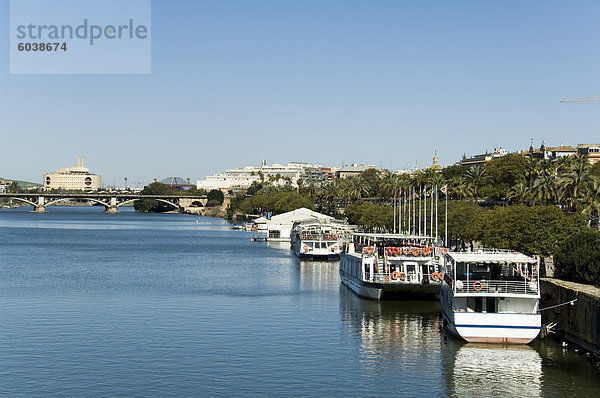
x,y
332,82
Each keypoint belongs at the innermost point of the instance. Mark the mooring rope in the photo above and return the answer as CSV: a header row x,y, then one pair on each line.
x,y
559,305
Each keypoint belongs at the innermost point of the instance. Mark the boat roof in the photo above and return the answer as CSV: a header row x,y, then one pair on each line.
x,y
489,256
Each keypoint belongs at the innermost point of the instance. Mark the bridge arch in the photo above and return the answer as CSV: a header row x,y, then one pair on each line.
x,y
30,203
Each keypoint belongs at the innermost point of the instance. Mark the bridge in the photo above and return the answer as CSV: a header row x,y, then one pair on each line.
x,y
110,201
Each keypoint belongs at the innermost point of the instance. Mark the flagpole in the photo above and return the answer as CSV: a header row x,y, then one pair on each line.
x,y
436,213
446,236
400,213
394,210
414,213
431,213
420,193
425,212
408,214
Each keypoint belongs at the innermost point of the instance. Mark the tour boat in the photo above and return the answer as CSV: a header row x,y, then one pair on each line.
x,y
491,296
388,266
315,238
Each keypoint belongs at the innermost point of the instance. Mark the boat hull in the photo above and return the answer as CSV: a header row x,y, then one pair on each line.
x,y
493,328
391,291
311,256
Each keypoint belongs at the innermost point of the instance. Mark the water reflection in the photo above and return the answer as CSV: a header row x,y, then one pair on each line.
x,y
318,275
394,336
491,370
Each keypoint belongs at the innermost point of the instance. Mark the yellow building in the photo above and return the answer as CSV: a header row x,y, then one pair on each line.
x,y
76,178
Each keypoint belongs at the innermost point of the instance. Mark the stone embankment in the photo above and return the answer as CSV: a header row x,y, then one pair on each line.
x,y
578,323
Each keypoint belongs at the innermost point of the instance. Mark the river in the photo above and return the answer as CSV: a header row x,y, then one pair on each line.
x,y
141,305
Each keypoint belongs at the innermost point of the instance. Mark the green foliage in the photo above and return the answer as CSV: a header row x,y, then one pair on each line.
x,y
577,258
14,188
215,196
370,179
274,200
595,170
155,206
454,171
530,230
370,215
460,218
504,173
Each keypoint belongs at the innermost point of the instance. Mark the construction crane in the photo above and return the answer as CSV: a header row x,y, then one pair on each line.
x,y
583,99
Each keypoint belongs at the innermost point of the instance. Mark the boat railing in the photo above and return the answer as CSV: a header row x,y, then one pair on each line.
x,y
496,286
391,277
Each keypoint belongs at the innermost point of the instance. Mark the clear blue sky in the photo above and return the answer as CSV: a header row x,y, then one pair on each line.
x,y
334,82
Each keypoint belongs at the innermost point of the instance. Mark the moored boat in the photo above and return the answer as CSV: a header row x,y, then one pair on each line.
x,y
392,266
491,296
320,238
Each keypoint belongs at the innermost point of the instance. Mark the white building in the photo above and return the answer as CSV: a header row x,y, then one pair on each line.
x,y
241,178
76,178
278,228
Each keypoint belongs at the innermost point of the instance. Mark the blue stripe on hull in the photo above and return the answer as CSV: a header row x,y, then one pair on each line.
x,y
497,326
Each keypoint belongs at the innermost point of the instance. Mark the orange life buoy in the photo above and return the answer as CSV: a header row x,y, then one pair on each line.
x,y
477,286
303,237
416,251
395,275
435,276
444,251
402,276
406,251
396,251
335,237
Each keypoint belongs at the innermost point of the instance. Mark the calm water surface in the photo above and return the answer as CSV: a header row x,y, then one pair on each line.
x,y
161,305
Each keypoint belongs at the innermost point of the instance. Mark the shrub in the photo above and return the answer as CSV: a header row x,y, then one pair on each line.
x,y
577,258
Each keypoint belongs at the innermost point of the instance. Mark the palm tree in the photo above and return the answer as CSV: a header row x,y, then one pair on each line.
x,y
519,193
531,171
355,188
575,179
474,177
544,188
591,207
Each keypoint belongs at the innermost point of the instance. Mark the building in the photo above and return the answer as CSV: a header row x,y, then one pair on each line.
x,y
354,170
481,160
240,179
278,228
4,186
591,151
177,182
76,178
560,151
436,164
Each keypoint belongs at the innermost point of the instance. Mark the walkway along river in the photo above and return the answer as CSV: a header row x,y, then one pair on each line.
x,y
156,304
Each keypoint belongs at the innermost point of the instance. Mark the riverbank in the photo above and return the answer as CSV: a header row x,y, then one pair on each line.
x,y
578,323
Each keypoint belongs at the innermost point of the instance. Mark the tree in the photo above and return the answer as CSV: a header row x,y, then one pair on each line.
x,y
453,171
370,215
504,173
591,206
519,193
530,230
577,258
460,218
545,188
474,178
154,206
215,197
14,187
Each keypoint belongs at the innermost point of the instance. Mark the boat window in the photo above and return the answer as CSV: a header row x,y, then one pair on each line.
x,y
461,271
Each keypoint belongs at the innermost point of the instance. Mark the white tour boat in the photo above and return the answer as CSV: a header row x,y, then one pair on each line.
x,y
315,238
382,266
491,296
